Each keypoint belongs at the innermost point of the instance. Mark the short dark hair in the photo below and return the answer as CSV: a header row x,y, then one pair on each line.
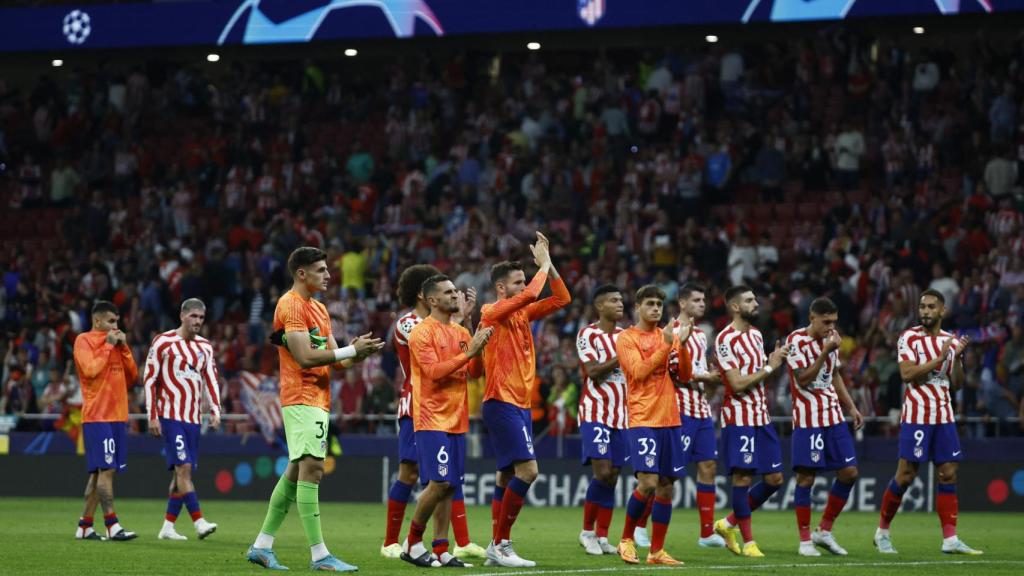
x,y
502,269
430,284
605,289
410,283
649,291
192,304
304,256
735,291
933,292
102,306
690,288
822,306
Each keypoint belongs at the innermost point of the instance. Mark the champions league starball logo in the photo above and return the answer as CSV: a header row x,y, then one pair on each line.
x,y
258,28
590,11
77,27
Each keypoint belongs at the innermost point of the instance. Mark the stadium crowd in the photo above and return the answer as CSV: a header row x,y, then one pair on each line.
x,y
866,169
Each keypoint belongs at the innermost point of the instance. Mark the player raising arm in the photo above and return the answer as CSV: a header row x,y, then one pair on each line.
x,y
511,372
106,369
308,350
930,364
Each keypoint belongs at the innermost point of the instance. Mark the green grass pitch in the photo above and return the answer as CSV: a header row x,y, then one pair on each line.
x,y
36,537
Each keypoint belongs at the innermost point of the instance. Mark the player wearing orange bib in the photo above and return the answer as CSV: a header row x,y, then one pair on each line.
x,y
440,354
106,369
655,432
510,366
303,329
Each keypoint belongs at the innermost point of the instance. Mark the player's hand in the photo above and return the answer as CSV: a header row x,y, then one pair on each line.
x,y
467,302
668,333
713,377
154,426
122,338
961,344
214,420
476,345
366,345
541,256
685,327
832,342
858,419
111,338
778,356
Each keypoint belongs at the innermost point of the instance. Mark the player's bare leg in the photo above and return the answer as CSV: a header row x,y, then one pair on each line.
x,y
511,485
85,522
398,499
597,514
706,471
414,551
837,497
105,490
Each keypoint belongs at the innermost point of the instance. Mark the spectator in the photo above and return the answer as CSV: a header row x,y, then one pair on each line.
x,y
1000,174
848,150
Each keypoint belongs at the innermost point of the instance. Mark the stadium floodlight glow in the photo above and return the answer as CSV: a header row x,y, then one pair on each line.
x,y
350,52
533,46
213,57
57,63
918,29
711,38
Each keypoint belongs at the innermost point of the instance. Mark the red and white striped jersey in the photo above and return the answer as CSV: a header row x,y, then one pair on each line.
x,y
743,351
928,401
175,373
601,402
817,405
690,397
403,327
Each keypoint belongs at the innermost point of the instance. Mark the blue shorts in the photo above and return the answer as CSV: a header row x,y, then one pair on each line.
x,y
442,456
752,448
407,441
657,451
511,431
699,444
824,447
181,443
599,442
938,443
105,446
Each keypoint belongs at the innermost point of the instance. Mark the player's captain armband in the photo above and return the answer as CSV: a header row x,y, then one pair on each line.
x,y
344,353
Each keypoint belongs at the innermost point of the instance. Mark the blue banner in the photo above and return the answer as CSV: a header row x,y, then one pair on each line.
x,y
233,22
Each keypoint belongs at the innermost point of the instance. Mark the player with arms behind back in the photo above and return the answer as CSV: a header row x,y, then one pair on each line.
x,y
511,372
441,353
931,363
699,443
307,351
821,438
179,366
106,370
749,440
655,433
602,415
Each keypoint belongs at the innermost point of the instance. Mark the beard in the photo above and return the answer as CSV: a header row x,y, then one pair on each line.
x,y
927,322
749,316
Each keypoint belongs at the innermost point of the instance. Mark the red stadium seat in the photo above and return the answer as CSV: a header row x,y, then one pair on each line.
x,y
785,212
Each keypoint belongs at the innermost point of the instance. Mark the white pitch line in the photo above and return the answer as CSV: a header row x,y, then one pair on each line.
x,y
760,566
